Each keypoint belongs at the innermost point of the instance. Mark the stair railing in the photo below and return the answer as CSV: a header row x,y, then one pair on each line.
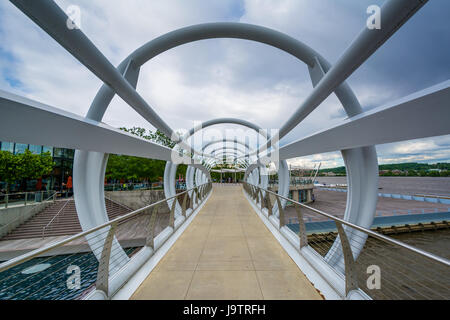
x,y
112,272
119,204
22,216
60,212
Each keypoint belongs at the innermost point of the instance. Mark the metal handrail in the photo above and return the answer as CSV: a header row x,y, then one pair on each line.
x,y
7,196
30,209
35,253
54,217
118,203
362,229
25,192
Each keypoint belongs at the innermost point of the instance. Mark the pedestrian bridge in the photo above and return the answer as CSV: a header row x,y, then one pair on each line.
x,y
225,241
226,253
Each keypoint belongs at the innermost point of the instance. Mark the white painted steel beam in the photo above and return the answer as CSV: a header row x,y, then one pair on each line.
x,y
420,115
42,124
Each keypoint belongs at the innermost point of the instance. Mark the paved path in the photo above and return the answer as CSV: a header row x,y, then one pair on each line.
x,y
226,253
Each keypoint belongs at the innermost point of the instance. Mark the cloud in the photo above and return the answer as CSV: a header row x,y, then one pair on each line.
x,y
326,160
227,77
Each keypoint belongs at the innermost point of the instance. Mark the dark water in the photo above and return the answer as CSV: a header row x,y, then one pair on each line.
x,y
403,185
51,283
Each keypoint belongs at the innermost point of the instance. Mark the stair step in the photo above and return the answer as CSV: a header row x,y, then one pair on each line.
x,y
66,224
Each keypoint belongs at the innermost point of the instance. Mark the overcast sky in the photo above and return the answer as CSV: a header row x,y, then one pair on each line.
x,y
232,78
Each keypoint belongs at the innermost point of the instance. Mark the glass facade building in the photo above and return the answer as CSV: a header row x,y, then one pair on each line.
x,y
63,159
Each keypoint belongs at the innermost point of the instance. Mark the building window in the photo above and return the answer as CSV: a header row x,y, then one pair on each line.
x,y
70,153
47,149
58,152
8,146
20,148
35,149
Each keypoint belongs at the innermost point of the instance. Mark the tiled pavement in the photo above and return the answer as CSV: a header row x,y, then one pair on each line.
x,y
226,253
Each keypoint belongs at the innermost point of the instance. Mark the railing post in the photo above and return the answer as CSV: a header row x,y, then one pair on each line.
x,y
200,192
183,207
103,267
191,200
172,213
269,204
301,226
151,228
262,198
197,197
351,279
6,200
26,196
281,212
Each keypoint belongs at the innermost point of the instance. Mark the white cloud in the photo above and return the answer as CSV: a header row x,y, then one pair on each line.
x,y
326,160
414,147
203,80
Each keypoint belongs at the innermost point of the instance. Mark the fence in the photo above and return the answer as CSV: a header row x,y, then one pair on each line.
x,y
102,258
23,198
354,252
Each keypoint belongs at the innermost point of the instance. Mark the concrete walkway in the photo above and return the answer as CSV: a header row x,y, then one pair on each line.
x,y
226,253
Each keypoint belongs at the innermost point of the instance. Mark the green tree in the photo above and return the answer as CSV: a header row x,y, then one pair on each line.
x,y
412,173
137,131
135,168
21,167
161,138
434,173
8,168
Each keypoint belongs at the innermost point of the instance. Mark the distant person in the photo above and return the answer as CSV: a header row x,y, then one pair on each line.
x,y
39,184
69,184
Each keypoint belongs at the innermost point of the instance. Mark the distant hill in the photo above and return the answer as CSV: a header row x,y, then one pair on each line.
x,y
441,169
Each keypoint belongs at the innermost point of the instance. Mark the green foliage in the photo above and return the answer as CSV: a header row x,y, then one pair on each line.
x,y
157,136
410,169
22,166
414,166
138,169
134,168
339,171
161,138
